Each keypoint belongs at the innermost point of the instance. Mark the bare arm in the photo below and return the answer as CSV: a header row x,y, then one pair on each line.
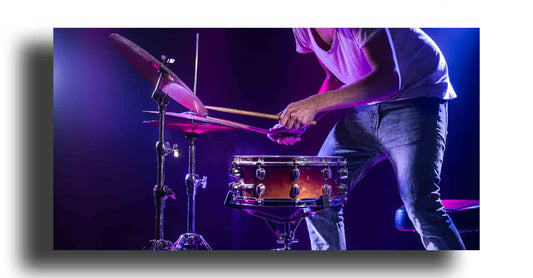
x,y
380,83
285,136
331,82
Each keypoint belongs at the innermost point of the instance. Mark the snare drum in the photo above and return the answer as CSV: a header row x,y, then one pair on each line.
x,y
288,181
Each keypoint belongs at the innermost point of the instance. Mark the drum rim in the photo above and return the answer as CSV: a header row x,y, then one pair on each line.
x,y
287,156
288,159
277,202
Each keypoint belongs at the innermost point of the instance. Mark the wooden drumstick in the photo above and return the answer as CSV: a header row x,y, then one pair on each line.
x,y
239,125
248,113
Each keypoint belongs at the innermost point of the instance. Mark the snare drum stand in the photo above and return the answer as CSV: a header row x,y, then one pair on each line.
x,y
161,192
290,224
192,240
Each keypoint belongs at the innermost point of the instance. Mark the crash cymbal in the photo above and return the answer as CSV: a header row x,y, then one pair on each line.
x,y
149,66
192,127
209,120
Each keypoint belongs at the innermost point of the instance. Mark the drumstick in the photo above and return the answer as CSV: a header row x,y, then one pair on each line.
x,y
243,126
248,113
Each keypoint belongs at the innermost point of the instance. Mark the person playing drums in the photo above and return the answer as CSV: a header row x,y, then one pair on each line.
x,y
394,87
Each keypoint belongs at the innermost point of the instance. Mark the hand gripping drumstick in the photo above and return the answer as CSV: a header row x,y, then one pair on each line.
x,y
248,113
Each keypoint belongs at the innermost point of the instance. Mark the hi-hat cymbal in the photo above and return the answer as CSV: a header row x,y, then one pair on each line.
x,y
192,127
210,120
149,66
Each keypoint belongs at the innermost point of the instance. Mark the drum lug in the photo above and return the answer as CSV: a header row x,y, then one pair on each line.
x,y
260,190
295,191
343,173
343,189
260,173
295,174
235,172
326,189
326,173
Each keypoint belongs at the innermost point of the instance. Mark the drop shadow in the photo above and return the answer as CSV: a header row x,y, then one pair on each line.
x,y
36,208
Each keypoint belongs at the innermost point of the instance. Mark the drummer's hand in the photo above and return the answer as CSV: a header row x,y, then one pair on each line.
x,y
282,135
299,114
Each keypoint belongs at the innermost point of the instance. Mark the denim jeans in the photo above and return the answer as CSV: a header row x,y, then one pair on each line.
x,y
411,134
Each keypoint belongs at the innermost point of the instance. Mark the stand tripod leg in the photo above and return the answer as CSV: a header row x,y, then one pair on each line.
x,y
159,245
191,241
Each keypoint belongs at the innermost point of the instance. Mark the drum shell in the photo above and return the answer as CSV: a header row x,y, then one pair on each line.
x,y
278,184
267,180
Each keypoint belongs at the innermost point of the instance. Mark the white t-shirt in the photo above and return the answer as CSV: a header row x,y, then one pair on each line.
x,y
423,70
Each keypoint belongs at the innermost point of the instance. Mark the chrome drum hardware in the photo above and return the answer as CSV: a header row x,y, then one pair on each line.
x,y
288,181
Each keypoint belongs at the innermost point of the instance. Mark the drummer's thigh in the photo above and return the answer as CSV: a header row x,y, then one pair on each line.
x,y
356,145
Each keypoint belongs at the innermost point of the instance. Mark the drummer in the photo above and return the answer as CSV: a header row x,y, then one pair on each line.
x,y
395,87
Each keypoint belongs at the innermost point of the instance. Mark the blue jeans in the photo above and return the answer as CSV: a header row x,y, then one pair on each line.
x,y
412,135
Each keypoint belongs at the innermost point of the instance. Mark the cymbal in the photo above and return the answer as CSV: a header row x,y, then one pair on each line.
x,y
192,127
149,67
210,120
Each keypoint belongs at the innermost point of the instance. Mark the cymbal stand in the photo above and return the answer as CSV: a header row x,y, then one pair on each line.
x,y
161,192
191,240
